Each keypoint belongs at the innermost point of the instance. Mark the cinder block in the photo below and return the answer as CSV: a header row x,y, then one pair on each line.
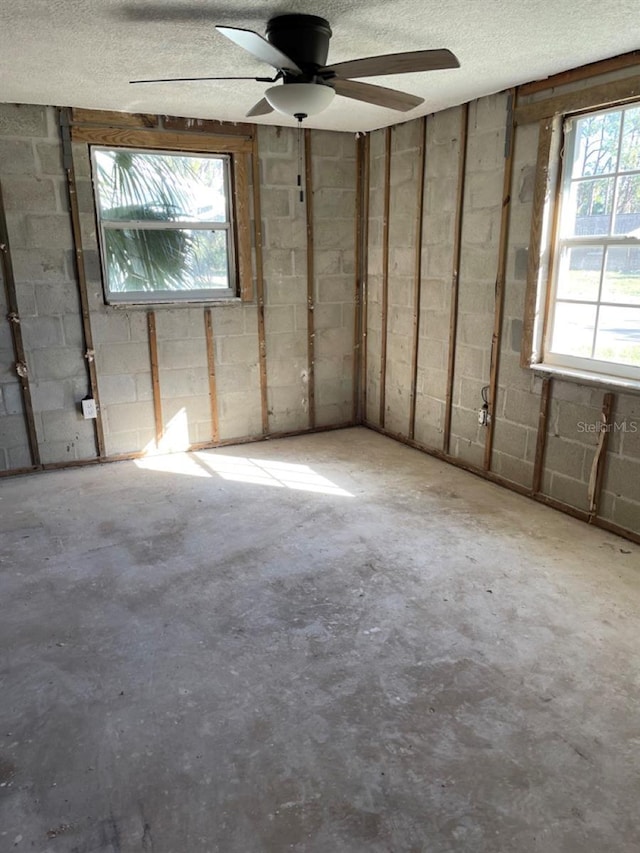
x,y
565,457
184,382
16,157
437,228
124,358
510,439
125,442
117,389
276,202
337,233
623,477
470,361
627,514
326,143
42,332
30,194
478,264
180,354
277,140
48,396
49,158
338,288
478,227
128,417
57,298
291,290
483,190
441,192
475,329
572,492
512,468
52,231
521,407
331,202
464,424
335,173
468,451
443,128
277,262
46,265
485,151
23,120
228,320
110,327
12,430
239,349
443,160
235,377
18,456
490,111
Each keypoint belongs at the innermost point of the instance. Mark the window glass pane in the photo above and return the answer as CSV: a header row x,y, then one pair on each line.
x,y
618,337
135,185
630,152
627,220
573,327
596,145
590,207
579,274
157,260
621,281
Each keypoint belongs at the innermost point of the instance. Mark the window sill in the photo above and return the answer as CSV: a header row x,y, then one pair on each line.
x,y
177,303
586,377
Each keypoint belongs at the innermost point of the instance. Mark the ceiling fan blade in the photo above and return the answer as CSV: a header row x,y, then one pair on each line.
x,y
260,109
194,79
395,63
379,95
260,48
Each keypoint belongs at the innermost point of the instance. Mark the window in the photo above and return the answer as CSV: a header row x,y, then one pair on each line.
x,y
165,225
593,321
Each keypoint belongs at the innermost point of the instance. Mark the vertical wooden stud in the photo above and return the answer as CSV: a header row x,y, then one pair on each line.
x,y
503,248
600,458
155,376
211,369
417,293
385,275
455,275
362,414
541,438
310,279
13,318
257,226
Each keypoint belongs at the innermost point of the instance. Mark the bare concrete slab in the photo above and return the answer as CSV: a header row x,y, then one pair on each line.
x,y
329,644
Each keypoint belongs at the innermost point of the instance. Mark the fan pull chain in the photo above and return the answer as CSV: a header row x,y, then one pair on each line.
x,y
300,116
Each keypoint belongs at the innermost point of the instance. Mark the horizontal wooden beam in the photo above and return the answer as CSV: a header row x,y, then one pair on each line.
x,y
574,75
209,126
113,118
181,141
606,94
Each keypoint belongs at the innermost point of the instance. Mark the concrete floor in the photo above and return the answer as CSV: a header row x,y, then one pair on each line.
x,y
344,646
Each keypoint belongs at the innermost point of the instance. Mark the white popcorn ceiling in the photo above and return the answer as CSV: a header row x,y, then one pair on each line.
x,y
82,53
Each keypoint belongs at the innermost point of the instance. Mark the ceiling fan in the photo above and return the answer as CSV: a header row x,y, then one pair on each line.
x,y
297,47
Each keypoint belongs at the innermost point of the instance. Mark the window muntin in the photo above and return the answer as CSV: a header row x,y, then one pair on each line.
x,y
165,225
594,312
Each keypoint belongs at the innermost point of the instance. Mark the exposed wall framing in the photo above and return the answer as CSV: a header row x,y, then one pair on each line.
x,y
311,280
385,274
455,275
257,226
417,293
211,370
155,376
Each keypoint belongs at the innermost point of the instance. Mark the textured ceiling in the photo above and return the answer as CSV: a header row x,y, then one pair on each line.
x,y
83,52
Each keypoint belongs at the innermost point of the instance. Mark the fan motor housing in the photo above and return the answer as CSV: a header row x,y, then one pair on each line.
x,y
304,38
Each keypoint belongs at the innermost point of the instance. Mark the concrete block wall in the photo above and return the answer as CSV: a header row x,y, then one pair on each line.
x,y
482,207
333,169
42,249
42,255
438,226
574,413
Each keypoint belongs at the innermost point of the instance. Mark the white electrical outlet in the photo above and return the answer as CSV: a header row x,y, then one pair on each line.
x,y
89,409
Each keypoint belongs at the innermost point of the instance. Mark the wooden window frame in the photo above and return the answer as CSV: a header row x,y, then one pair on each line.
x,y
237,148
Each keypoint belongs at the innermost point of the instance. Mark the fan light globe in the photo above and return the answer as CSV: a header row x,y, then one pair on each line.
x,y
295,99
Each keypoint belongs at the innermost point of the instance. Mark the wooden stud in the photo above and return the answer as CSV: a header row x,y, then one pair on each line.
x,y
541,438
211,369
81,280
417,292
604,95
600,458
362,414
491,477
358,278
385,275
113,118
242,226
455,275
540,192
308,195
503,248
257,228
180,141
209,126
155,376
13,318
574,75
